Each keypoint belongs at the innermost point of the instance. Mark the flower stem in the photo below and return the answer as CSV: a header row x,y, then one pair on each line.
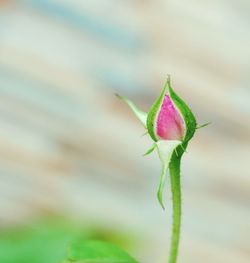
x,y
174,169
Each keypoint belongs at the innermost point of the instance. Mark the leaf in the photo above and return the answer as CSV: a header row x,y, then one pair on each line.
x,y
94,251
46,240
142,116
165,150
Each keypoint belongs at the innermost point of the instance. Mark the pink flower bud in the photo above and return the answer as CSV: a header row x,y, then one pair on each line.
x,y
169,123
170,118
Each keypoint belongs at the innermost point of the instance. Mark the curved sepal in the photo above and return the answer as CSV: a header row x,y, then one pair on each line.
x,y
150,150
203,125
152,114
165,151
187,115
142,116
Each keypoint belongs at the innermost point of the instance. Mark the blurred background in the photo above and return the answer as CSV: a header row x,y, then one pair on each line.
x,y
71,153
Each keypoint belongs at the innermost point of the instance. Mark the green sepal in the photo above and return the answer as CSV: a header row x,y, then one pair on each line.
x,y
187,115
145,133
203,125
165,151
141,115
150,150
162,184
153,112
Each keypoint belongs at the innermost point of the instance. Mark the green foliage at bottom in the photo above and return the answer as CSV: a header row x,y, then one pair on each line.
x,y
47,241
95,251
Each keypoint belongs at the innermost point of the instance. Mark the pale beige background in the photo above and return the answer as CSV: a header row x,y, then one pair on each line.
x,y
67,145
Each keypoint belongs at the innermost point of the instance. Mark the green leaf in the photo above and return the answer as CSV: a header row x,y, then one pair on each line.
x,y
142,116
46,240
94,251
165,151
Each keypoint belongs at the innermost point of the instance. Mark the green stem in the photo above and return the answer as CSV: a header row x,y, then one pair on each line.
x,y
174,169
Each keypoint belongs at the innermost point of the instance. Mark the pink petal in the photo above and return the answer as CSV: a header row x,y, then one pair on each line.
x,y
170,125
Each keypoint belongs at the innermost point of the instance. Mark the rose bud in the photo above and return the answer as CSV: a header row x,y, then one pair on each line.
x,y
171,124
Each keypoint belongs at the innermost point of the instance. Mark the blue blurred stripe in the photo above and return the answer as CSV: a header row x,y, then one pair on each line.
x,y
40,94
91,24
